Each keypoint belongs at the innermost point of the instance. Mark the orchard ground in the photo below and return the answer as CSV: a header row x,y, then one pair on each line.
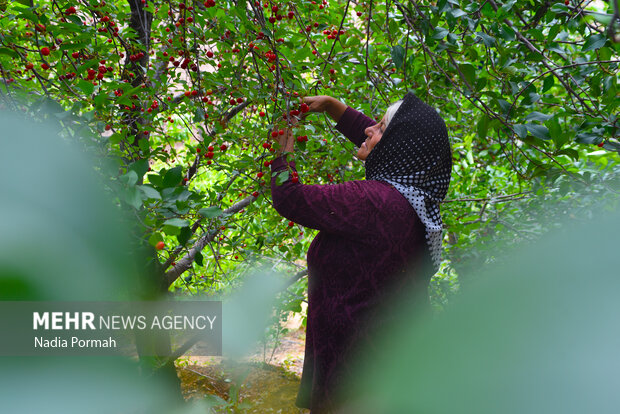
x,y
268,379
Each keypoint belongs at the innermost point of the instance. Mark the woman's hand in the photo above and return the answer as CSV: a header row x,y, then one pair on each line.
x,y
318,103
286,141
324,103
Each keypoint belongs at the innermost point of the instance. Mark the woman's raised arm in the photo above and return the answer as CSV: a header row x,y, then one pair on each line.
x,y
323,103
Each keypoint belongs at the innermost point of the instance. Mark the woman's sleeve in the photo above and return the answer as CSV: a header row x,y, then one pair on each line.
x,y
352,125
341,208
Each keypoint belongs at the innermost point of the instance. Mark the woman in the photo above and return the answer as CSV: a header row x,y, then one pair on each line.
x,y
370,231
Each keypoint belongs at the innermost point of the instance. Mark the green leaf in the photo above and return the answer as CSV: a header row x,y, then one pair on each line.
x,y
442,6
440,33
199,259
559,8
548,83
604,18
76,20
173,177
594,42
150,192
199,115
537,116
184,236
143,143
538,131
469,72
508,5
398,54
86,87
520,130
115,138
155,179
140,167
130,178
486,39
456,13
555,131
483,127
282,177
210,212
8,52
507,33
155,238
505,105
74,46
574,154
176,222
132,197
587,138
28,14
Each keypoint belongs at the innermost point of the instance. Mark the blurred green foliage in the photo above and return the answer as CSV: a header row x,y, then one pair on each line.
x,y
536,333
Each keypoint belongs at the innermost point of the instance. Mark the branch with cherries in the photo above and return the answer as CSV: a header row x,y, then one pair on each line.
x,y
322,103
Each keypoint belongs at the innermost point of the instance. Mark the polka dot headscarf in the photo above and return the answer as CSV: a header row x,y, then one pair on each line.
x,y
414,156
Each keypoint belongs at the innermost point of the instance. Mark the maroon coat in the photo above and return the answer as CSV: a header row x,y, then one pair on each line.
x,y
368,234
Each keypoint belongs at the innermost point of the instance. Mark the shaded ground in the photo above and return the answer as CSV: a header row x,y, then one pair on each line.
x,y
244,387
265,382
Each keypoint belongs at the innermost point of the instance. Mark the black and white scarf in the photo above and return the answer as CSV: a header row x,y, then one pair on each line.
x,y
414,156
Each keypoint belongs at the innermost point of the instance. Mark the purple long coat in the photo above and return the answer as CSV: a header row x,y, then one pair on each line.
x,y
369,233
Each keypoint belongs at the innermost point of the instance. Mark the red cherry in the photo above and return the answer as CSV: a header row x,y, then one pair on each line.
x,y
259,174
223,147
209,154
274,134
45,66
209,54
45,51
210,148
255,194
304,108
39,28
108,127
239,100
160,245
261,113
70,10
291,224
197,150
600,144
266,145
29,66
